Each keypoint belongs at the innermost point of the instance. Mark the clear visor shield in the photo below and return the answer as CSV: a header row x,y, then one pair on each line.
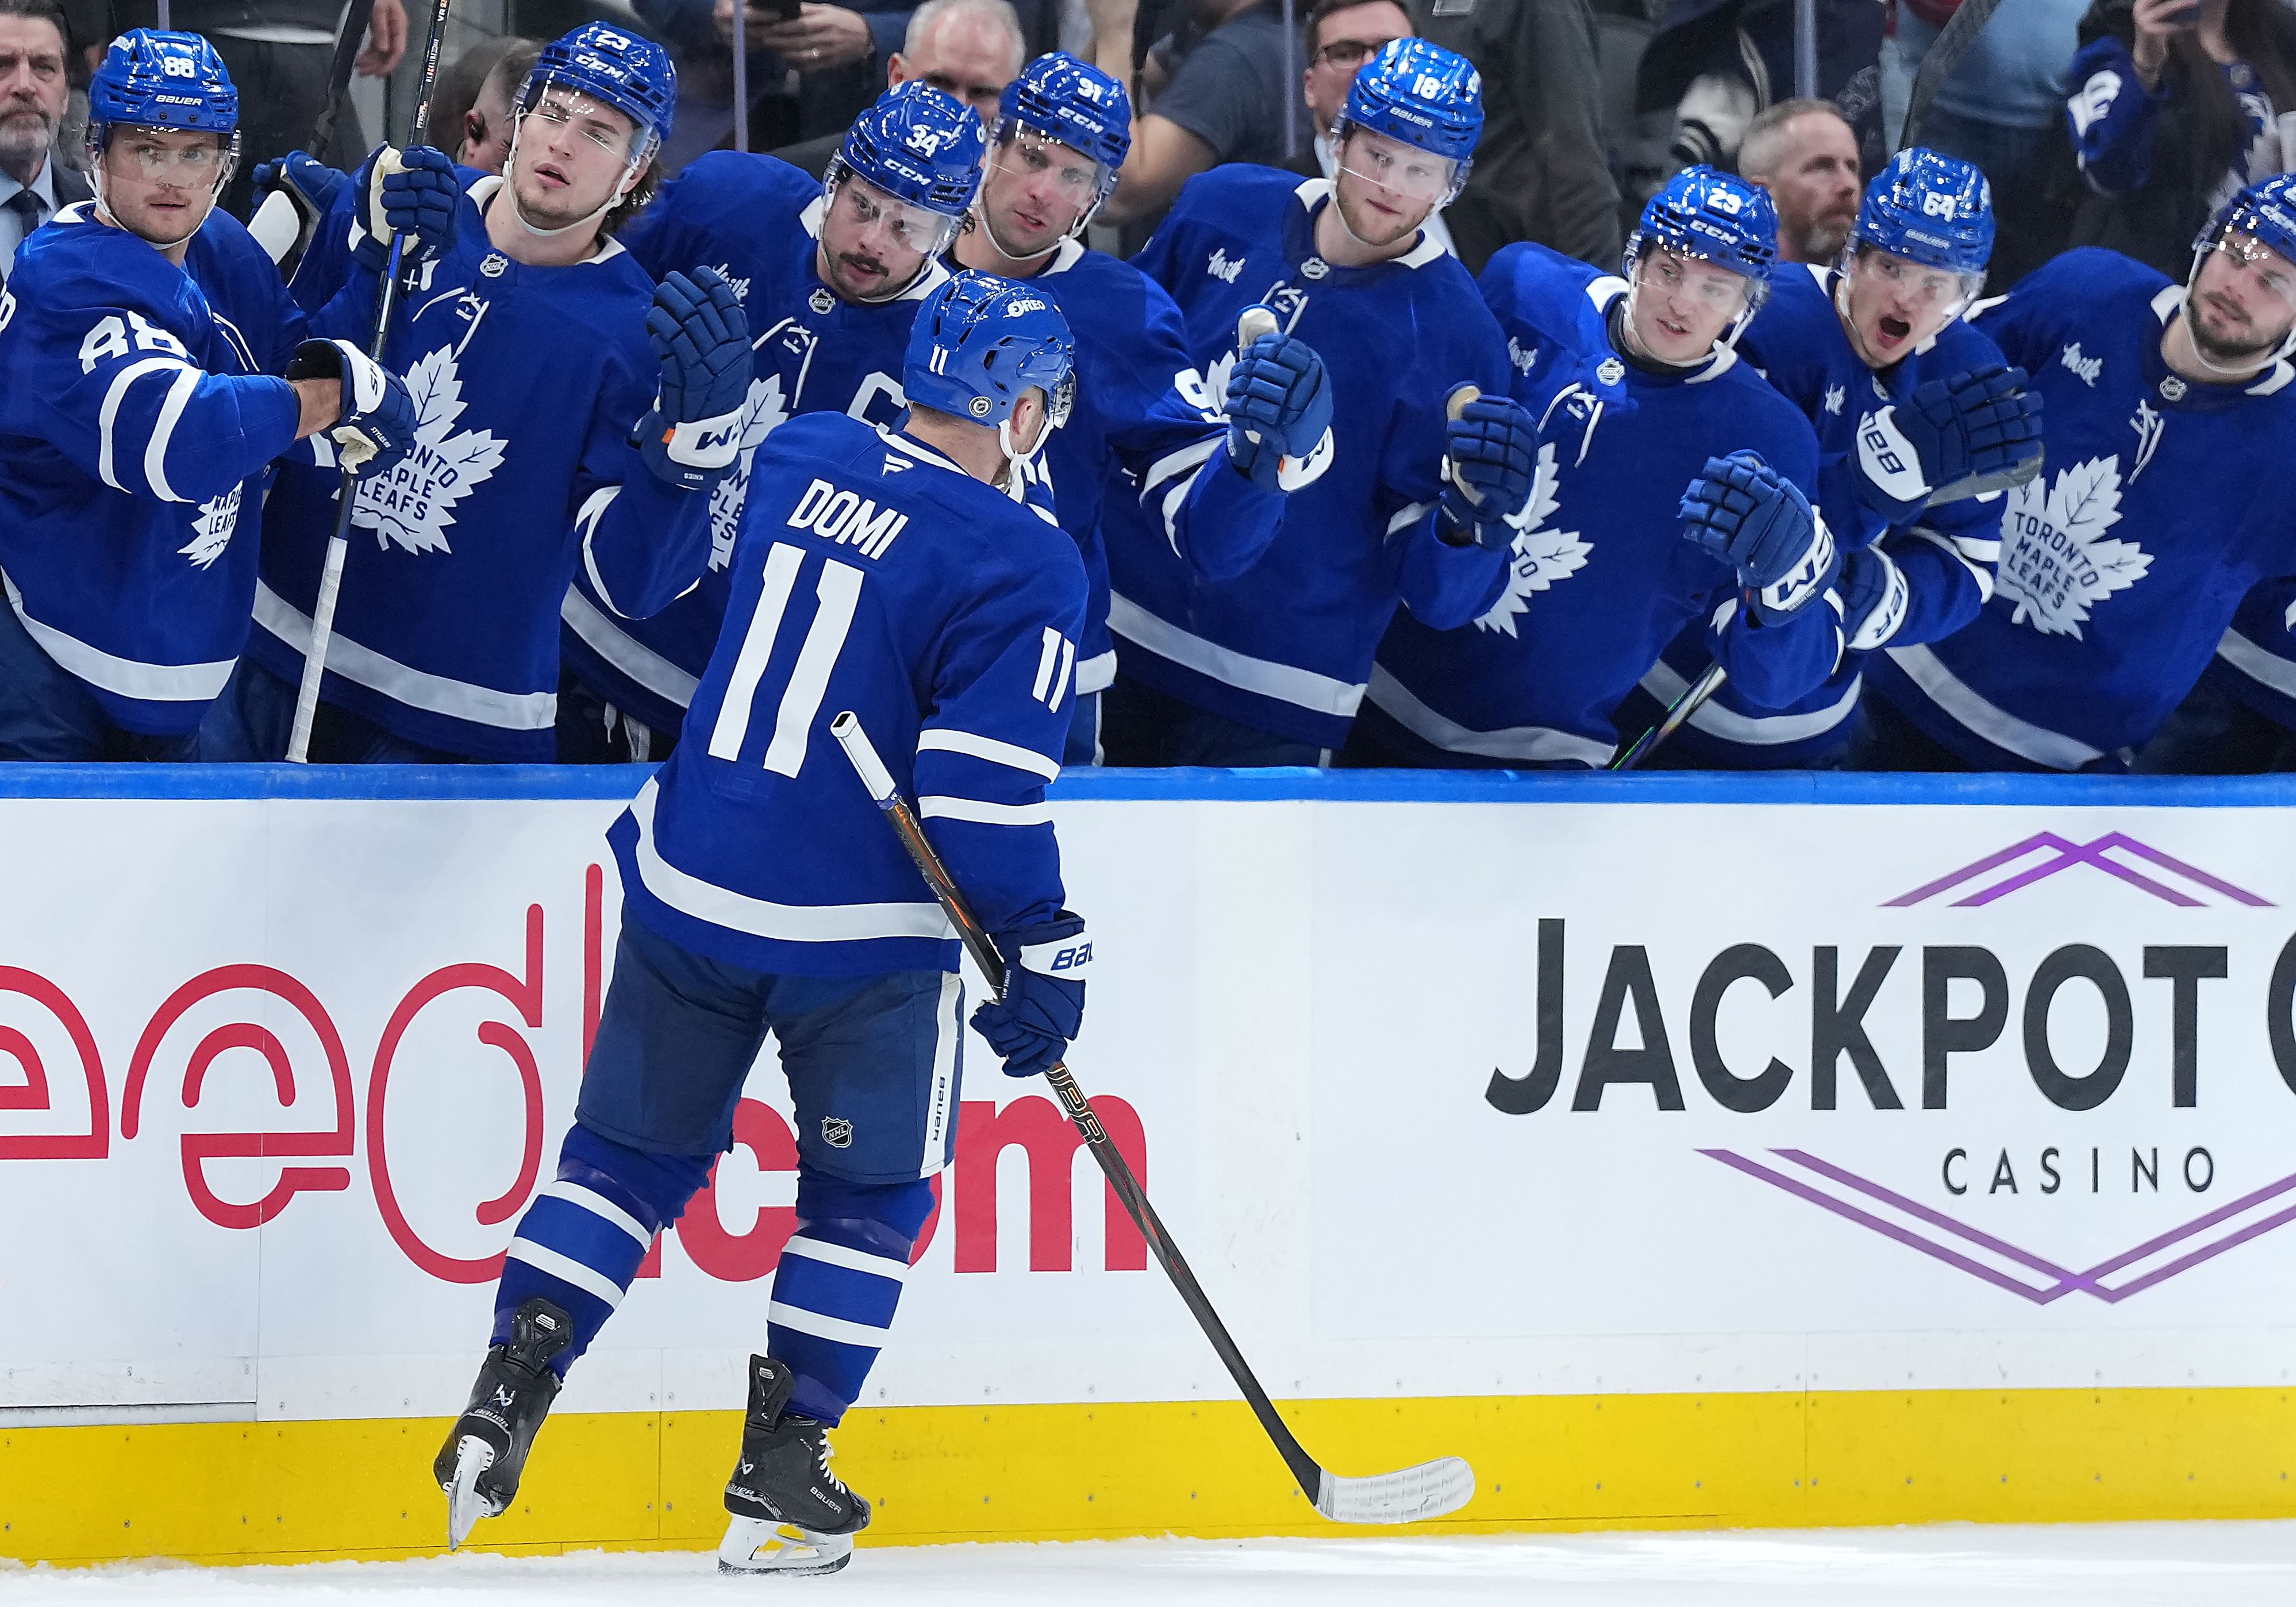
x,y
2242,294
1065,183
882,220
1061,401
1402,170
1924,292
575,123
168,157
1694,280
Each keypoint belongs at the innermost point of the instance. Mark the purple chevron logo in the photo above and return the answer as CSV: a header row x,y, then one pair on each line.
x,y
2045,853
2004,1265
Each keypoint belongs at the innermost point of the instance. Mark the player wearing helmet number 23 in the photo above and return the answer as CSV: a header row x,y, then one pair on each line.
x,y
886,572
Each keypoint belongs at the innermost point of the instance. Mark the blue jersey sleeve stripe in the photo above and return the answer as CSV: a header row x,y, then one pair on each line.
x,y
1188,457
942,740
107,418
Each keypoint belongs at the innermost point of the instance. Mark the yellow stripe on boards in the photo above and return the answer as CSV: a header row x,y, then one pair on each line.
x,y
286,1492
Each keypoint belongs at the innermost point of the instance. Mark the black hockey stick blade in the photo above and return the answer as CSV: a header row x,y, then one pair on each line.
x,y
1693,698
1985,484
1410,1494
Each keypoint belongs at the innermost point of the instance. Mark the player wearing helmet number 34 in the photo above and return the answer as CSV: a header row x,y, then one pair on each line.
x,y
155,370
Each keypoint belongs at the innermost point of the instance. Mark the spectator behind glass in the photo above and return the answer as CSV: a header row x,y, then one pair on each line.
x,y
1342,35
969,49
34,89
473,110
1225,103
2176,105
1542,172
1805,154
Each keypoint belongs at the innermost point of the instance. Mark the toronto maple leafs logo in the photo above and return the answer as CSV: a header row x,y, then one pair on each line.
x,y
2056,563
211,531
414,503
1542,556
763,413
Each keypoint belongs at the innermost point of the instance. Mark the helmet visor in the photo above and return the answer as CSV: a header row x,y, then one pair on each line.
x,y
1395,167
1695,279
1939,293
1063,181
559,104
878,216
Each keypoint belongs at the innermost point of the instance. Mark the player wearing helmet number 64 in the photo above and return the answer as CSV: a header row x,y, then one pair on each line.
x,y
887,572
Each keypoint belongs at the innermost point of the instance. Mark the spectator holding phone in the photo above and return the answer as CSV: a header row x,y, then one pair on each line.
x,y
2176,105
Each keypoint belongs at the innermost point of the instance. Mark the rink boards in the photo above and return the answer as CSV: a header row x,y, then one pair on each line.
x,y
1683,1151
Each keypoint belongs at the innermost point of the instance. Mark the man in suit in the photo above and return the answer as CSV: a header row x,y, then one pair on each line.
x,y
33,90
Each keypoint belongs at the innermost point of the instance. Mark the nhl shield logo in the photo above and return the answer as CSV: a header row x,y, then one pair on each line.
x,y
1610,371
836,1132
1315,267
495,264
822,302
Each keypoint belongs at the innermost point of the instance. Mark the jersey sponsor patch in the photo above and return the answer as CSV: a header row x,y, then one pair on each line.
x,y
2087,370
2056,562
412,504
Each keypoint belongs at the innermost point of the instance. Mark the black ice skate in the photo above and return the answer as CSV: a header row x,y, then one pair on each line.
x,y
485,1453
790,1515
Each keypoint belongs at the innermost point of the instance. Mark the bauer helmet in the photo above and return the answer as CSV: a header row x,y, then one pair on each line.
x,y
1427,97
633,76
1931,208
980,342
174,81
920,147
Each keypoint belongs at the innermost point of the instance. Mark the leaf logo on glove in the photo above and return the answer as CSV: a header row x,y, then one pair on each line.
x,y
414,503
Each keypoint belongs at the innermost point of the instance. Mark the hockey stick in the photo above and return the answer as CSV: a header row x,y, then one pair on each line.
x,y
278,218
339,544
742,76
1407,1496
1943,58
1693,698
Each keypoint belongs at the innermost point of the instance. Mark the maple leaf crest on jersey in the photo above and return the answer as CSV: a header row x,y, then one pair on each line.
x,y
2056,563
764,412
1542,556
211,532
414,503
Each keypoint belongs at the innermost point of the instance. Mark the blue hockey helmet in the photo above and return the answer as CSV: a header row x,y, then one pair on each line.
x,y
150,80
1931,208
633,76
919,146
2265,212
979,342
1716,217
1416,90
1073,102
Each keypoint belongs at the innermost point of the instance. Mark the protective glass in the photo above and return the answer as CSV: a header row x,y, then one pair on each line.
x,y
1923,290
862,204
1061,401
1026,157
557,105
1686,276
1395,167
139,153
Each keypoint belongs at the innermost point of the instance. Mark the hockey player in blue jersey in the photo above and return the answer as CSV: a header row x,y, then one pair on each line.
x,y
1604,577
1252,646
887,571
445,642
2122,564
1908,402
2240,719
155,370
1144,426
830,275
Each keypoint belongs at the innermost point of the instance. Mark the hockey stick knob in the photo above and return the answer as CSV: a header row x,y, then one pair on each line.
x,y
1250,324
1455,408
846,728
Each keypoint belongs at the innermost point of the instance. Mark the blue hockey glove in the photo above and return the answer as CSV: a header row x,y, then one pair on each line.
x,y
1873,597
1279,413
376,429
1044,995
1744,513
1980,426
412,191
702,339
1490,462
297,192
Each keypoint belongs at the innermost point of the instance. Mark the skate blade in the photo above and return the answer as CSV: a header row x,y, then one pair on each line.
x,y
763,1546
464,1506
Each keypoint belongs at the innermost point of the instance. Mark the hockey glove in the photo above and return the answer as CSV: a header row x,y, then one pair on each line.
x,y
1279,413
1043,1005
1981,426
1873,595
702,339
414,191
1744,513
298,191
375,430
1490,462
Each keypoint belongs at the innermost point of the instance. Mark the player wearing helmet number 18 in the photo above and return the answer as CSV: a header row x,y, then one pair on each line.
x,y
886,571
155,370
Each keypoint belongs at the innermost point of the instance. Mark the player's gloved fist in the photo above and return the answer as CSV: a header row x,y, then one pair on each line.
x,y
702,339
375,429
413,192
1279,413
305,188
1490,462
1743,513
1873,595
1981,425
1044,995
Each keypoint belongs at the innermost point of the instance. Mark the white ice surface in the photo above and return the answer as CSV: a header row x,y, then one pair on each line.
x,y
2172,1565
